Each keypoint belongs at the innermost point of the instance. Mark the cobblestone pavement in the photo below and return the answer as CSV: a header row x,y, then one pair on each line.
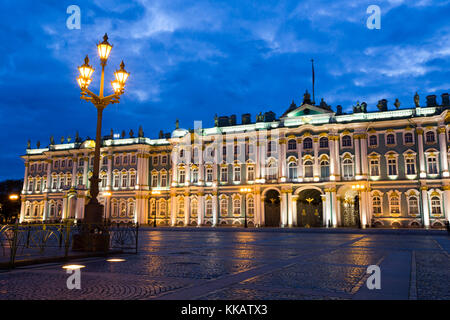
x,y
215,264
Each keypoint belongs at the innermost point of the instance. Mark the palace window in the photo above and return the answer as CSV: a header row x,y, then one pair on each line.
x,y
323,142
152,207
118,158
115,209
104,181
224,151
81,162
250,173
80,181
324,169
180,206
124,180
223,207
346,141
132,180
194,207
394,203
347,165
237,206
308,168
408,138
61,182
413,205
131,210
373,141
390,139
125,160
38,184
195,176
163,180
271,170
105,161
430,137
181,153
410,166
116,181
292,144
209,207
392,167
133,159
307,143
56,165
237,173
155,160
271,147
63,163
52,210
374,167
224,174
436,205
250,206
376,204
69,164
162,207
209,174
164,159
432,165
181,176
292,171
30,185
154,180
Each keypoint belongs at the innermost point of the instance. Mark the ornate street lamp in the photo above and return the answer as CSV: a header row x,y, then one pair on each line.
x,y
359,188
94,210
244,191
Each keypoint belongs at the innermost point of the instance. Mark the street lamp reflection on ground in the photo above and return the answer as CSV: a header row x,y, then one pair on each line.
x,y
244,192
93,210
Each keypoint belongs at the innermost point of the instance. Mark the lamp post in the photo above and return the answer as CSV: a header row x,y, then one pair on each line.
x,y
93,210
244,192
359,188
13,198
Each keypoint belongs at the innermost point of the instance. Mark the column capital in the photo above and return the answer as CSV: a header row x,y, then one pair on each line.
x,y
441,130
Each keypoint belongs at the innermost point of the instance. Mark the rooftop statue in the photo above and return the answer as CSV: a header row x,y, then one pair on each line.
x,y
417,100
216,121
140,132
52,140
177,124
131,133
306,98
38,144
29,144
62,140
397,104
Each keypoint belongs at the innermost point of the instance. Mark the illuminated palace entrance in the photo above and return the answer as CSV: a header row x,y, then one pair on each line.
x,y
350,209
309,209
272,209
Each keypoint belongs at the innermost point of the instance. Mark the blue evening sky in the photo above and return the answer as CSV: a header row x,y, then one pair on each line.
x,y
192,59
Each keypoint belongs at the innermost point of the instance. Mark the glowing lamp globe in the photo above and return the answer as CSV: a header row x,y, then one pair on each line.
x,y
121,75
83,83
116,86
86,70
104,48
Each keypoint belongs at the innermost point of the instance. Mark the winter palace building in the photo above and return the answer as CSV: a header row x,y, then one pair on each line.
x,y
311,167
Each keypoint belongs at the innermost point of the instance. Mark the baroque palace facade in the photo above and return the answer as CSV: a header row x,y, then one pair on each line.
x,y
311,167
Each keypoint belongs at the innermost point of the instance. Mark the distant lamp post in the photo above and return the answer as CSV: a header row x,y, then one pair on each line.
x,y
94,210
13,197
359,188
244,192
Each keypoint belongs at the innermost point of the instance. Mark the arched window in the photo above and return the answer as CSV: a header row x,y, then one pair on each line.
x,y
373,140
430,137
194,207
237,206
323,142
408,138
223,207
52,210
131,209
292,171
237,173
250,207
123,209
115,209
436,205
324,168
195,175
308,169
124,180
132,179
209,207
376,204
271,170
162,207
292,144
432,164
390,139
346,141
413,205
394,203
347,165
180,206
307,143
181,153
181,176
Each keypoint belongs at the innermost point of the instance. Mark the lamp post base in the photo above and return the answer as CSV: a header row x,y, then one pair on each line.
x,y
93,236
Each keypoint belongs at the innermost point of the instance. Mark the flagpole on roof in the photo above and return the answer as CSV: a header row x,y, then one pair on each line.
x,y
314,98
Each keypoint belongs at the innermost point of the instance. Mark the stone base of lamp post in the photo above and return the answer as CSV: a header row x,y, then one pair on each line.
x,y
93,235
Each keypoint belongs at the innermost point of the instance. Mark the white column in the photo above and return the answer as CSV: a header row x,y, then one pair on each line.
x,y
294,210
332,158
316,169
447,202
74,172
85,171
25,178
175,166
187,209
300,159
257,207
290,210
328,206
357,157
173,209
364,212
334,204
338,210
423,173
282,160
443,152
201,208
215,209
337,157
49,175
109,175
364,162
201,167
262,217
283,208
257,160
324,209
425,208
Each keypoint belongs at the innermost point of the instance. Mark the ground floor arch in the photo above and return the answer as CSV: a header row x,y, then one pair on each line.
x,y
272,209
309,208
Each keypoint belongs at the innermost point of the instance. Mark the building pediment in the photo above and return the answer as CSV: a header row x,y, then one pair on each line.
x,y
307,110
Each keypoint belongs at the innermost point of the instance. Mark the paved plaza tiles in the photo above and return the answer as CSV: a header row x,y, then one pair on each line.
x,y
211,264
